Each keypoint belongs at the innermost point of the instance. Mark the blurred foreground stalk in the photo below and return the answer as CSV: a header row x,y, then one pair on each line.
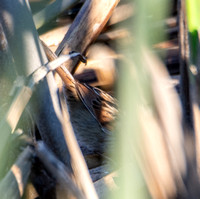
x,y
149,148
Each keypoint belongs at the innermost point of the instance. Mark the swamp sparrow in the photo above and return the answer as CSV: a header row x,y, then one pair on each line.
x,y
91,110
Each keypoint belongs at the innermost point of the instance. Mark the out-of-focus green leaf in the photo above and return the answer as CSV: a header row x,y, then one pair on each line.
x,y
193,20
193,14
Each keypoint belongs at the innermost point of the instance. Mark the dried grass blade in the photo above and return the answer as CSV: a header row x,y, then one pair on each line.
x,y
13,184
85,28
78,163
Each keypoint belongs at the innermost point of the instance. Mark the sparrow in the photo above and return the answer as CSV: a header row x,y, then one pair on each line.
x,y
92,111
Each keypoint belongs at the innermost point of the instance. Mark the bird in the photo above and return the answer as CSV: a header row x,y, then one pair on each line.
x,y
92,111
